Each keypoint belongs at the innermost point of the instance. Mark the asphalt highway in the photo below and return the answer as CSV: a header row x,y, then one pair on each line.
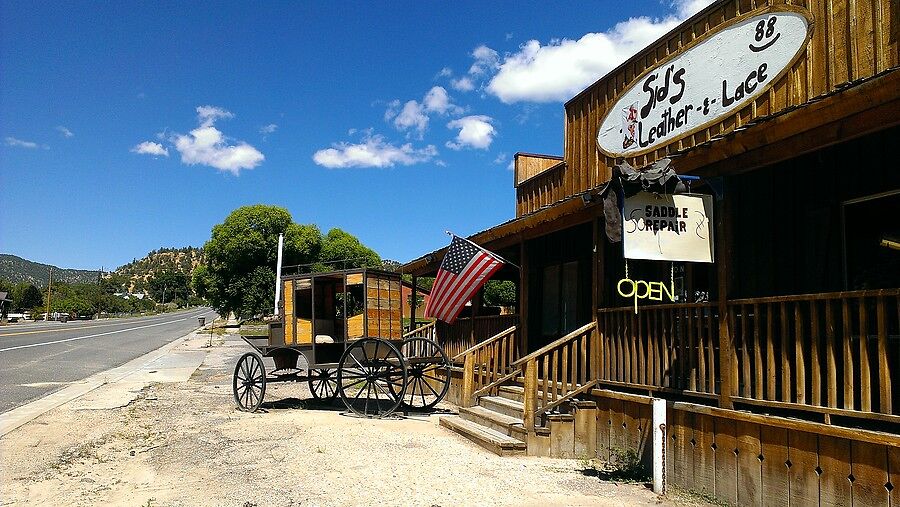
x,y
37,359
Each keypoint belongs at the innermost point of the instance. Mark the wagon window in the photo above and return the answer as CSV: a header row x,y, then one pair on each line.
x,y
354,296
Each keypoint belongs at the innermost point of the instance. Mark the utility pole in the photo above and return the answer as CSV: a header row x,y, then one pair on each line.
x,y
49,283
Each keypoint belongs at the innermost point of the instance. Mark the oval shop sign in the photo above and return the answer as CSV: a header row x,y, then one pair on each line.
x,y
718,74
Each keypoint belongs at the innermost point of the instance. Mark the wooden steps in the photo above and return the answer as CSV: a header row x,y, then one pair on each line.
x,y
490,439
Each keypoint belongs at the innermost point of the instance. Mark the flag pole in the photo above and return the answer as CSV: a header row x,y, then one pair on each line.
x,y
492,253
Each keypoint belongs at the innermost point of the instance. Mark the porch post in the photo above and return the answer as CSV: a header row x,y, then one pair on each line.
x,y
412,304
723,266
523,298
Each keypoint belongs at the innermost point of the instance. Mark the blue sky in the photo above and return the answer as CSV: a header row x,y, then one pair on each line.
x,y
125,127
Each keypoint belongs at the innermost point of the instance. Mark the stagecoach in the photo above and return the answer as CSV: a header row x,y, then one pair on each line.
x,y
348,327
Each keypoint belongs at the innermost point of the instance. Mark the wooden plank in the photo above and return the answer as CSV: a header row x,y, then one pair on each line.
x,y
726,461
785,357
870,474
704,456
603,428
803,455
749,468
770,353
847,356
757,355
830,359
632,427
799,361
885,405
834,463
618,440
865,374
815,358
774,452
682,451
893,453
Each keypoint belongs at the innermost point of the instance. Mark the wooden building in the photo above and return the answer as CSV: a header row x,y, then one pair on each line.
x,y
780,360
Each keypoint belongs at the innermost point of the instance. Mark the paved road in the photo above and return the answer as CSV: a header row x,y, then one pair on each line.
x,y
37,359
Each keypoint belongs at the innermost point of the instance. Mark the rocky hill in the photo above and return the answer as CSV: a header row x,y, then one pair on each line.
x,y
137,272
16,270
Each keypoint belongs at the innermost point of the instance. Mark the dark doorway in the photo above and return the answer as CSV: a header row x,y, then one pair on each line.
x,y
559,284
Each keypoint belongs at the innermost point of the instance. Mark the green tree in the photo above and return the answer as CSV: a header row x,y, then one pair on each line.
x,y
499,293
166,285
342,250
241,257
28,298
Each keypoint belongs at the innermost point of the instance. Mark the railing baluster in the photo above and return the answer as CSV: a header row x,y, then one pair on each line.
x,y
865,374
565,366
799,360
770,352
757,355
555,374
848,355
545,379
666,367
701,356
745,355
884,374
713,335
785,358
814,355
830,359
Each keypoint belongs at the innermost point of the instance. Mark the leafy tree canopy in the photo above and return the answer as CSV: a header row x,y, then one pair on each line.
x,y
499,293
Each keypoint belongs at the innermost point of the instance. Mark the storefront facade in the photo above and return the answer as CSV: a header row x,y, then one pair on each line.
x,y
781,358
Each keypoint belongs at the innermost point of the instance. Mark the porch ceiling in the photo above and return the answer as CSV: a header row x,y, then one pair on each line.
x,y
569,211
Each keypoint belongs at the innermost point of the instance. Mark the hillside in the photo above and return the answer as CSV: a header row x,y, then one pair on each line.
x,y
139,271
16,269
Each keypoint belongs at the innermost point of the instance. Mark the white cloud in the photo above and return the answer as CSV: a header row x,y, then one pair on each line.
x,y
509,167
268,129
475,131
412,115
486,59
207,115
151,148
463,84
438,101
374,151
445,72
18,143
207,145
562,68
501,157
64,131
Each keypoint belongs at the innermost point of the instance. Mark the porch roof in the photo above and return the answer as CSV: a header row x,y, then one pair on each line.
x,y
512,231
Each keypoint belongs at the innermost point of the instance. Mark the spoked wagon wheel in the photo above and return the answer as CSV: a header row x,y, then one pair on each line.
x,y
428,373
323,384
372,378
249,383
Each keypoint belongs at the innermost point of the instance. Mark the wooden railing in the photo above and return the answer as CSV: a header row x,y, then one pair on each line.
x,y
836,353
666,347
464,333
487,365
424,331
559,371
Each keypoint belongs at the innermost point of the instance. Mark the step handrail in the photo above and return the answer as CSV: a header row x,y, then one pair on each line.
x,y
556,344
484,343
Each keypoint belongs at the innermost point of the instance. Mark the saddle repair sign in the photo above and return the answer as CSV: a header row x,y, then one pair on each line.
x,y
668,227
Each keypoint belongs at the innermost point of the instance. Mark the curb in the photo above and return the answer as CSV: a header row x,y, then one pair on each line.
x,y
28,412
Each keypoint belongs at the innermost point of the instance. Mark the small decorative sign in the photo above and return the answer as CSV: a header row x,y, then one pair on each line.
x,y
716,76
639,289
668,227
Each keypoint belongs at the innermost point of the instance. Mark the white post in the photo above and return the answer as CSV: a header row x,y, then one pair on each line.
x,y
278,273
659,442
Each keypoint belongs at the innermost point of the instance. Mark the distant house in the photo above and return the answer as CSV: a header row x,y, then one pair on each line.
x,y
406,292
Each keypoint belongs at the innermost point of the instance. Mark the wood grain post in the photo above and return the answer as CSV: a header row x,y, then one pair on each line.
x,y
465,399
530,393
723,247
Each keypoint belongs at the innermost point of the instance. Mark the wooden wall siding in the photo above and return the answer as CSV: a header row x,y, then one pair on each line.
x,y
542,190
742,462
852,40
529,165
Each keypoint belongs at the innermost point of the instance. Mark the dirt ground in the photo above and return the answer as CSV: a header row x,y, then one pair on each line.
x,y
183,443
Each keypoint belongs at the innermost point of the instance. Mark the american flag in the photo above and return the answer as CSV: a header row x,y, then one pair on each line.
x,y
465,268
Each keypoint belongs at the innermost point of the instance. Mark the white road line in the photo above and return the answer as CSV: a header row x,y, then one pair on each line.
x,y
99,334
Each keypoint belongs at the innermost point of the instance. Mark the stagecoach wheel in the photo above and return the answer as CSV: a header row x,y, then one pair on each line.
x,y
371,378
249,383
323,384
428,373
